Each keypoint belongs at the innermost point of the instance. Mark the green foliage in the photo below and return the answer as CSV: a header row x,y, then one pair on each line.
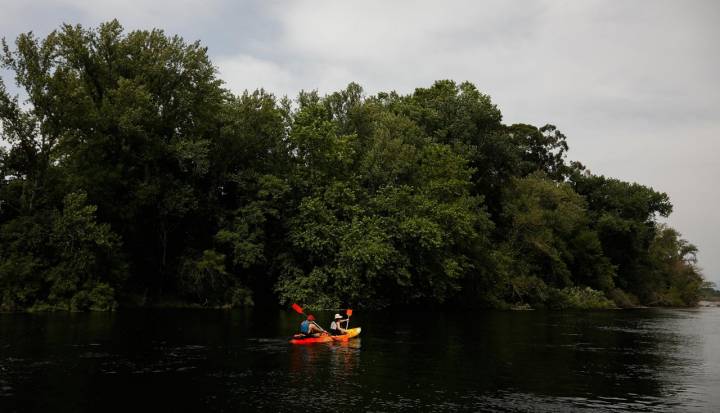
x,y
133,176
579,298
673,274
86,254
549,235
389,227
532,292
207,281
622,299
541,149
101,297
623,215
60,260
204,279
709,292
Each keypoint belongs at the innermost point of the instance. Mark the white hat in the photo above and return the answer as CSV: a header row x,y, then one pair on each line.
x,y
337,316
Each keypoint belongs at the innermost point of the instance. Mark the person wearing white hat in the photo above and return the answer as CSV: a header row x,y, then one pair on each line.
x,y
335,328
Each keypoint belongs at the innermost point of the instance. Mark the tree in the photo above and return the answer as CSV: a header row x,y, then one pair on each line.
x,y
60,260
128,118
673,276
388,220
541,149
550,238
131,176
623,215
88,267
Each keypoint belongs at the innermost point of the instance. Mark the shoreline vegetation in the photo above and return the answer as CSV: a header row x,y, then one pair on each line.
x,y
131,175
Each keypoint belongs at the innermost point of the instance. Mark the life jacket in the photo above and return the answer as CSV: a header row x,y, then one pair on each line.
x,y
305,327
335,328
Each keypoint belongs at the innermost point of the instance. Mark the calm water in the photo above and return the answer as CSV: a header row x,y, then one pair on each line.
x,y
639,360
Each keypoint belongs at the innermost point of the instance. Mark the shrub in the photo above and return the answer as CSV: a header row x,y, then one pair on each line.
x,y
102,298
578,298
622,299
529,290
80,301
206,280
241,297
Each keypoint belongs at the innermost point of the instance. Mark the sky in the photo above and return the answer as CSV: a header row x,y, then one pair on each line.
x,y
635,85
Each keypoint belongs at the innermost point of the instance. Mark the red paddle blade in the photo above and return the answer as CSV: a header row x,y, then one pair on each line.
x,y
348,312
297,308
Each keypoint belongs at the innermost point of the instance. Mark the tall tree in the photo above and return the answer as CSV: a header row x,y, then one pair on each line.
x,y
131,174
129,118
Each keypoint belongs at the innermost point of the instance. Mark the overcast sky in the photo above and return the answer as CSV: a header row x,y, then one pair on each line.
x,y
633,84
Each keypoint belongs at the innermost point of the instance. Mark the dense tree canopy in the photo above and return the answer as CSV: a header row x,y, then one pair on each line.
x,y
133,176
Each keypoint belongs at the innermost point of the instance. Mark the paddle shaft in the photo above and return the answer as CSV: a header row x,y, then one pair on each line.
x,y
300,310
318,326
349,312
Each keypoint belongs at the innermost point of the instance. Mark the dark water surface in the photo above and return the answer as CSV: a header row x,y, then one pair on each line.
x,y
194,360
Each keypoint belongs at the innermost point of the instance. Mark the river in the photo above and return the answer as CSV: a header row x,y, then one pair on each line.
x,y
196,360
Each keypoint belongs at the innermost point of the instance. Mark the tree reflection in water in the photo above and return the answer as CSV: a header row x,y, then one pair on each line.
x,y
642,360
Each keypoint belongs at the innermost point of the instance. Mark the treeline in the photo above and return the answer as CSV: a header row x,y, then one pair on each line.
x,y
132,175
709,292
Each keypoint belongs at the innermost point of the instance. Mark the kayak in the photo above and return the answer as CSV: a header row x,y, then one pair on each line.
x,y
325,338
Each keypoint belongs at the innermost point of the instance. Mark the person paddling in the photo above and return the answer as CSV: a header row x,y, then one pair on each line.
x,y
335,328
309,327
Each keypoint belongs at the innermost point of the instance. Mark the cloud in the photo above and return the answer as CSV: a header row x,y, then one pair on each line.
x,y
144,12
633,84
43,16
244,72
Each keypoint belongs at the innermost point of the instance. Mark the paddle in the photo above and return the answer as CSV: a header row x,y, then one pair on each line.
x,y
349,313
300,310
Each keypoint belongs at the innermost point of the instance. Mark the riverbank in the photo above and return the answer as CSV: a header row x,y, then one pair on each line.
x,y
176,304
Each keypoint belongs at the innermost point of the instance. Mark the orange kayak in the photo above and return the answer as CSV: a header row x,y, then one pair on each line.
x,y
325,338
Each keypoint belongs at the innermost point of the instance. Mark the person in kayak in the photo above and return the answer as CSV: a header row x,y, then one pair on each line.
x,y
309,327
335,328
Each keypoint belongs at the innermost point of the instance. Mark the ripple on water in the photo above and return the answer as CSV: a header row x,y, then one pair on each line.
x,y
607,362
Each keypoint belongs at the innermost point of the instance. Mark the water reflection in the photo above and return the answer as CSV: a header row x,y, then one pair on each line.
x,y
648,360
